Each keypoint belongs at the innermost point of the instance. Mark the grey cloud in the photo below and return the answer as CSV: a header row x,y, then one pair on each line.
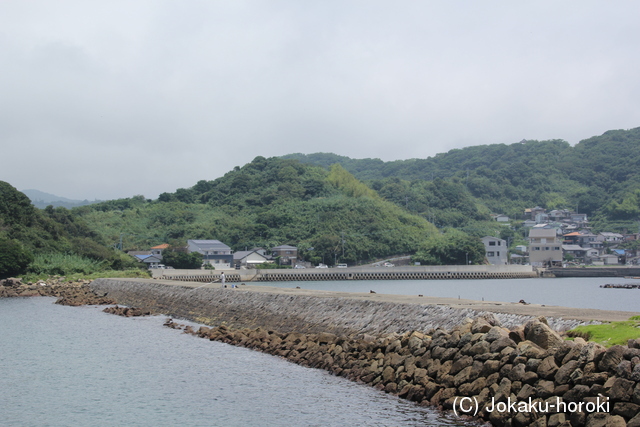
x,y
143,97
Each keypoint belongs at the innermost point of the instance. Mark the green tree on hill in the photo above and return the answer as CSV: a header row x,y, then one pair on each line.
x,y
453,247
14,258
178,257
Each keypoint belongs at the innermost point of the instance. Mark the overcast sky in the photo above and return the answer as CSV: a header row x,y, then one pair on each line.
x,y
110,99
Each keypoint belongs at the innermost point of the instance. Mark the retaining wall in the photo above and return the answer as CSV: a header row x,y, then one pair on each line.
x,y
595,272
243,309
354,273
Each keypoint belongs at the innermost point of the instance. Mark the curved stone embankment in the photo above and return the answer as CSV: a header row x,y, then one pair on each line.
x,y
527,376
496,370
287,312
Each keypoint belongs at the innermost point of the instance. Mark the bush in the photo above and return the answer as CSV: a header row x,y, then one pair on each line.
x,y
182,260
14,258
57,264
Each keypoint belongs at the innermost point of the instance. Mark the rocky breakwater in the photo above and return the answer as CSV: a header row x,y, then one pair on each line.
x,y
73,293
526,376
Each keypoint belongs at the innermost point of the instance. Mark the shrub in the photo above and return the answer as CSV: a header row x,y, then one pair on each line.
x,y
57,264
14,258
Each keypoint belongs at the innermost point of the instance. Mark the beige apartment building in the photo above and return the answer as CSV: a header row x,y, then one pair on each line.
x,y
545,246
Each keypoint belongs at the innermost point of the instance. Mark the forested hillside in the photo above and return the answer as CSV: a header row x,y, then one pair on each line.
x,y
600,176
40,241
328,214
336,209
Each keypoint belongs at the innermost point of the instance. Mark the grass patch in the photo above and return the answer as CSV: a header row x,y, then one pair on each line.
x,y
107,274
609,334
58,264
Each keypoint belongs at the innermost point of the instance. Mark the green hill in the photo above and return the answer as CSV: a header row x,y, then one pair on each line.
x,y
600,176
337,209
31,238
266,203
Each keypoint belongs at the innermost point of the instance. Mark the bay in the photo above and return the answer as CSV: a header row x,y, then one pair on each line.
x,y
565,292
77,366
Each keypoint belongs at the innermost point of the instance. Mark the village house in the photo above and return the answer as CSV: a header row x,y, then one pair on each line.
x,y
157,250
288,255
152,261
214,252
249,259
610,237
496,250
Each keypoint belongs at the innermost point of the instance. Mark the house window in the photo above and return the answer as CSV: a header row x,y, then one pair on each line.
x,y
498,253
556,248
547,248
490,254
492,243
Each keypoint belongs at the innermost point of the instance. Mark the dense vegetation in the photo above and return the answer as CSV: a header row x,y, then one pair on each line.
x,y
600,176
340,210
328,214
31,238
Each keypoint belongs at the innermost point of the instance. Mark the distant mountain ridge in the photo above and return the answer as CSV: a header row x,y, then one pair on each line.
x,y
41,200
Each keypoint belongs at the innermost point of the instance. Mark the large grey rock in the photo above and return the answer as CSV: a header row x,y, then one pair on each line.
x,y
530,350
501,343
576,393
547,368
634,422
541,334
460,364
621,390
517,372
589,352
611,358
479,348
480,326
626,409
545,389
496,332
564,372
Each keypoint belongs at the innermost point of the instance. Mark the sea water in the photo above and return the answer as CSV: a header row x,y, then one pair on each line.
x,y
565,292
78,366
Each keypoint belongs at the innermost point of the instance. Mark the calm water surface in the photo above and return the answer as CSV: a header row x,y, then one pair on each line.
x,y
567,292
77,366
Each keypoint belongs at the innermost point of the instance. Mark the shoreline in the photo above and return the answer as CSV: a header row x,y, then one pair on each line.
x,y
433,351
514,308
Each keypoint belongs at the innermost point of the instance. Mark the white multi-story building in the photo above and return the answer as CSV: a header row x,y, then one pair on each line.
x,y
496,250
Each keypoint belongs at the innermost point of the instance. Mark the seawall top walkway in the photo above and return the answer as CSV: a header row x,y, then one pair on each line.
x,y
514,308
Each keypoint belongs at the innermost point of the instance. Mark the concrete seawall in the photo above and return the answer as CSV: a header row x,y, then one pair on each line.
x,y
595,272
308,311
446,272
